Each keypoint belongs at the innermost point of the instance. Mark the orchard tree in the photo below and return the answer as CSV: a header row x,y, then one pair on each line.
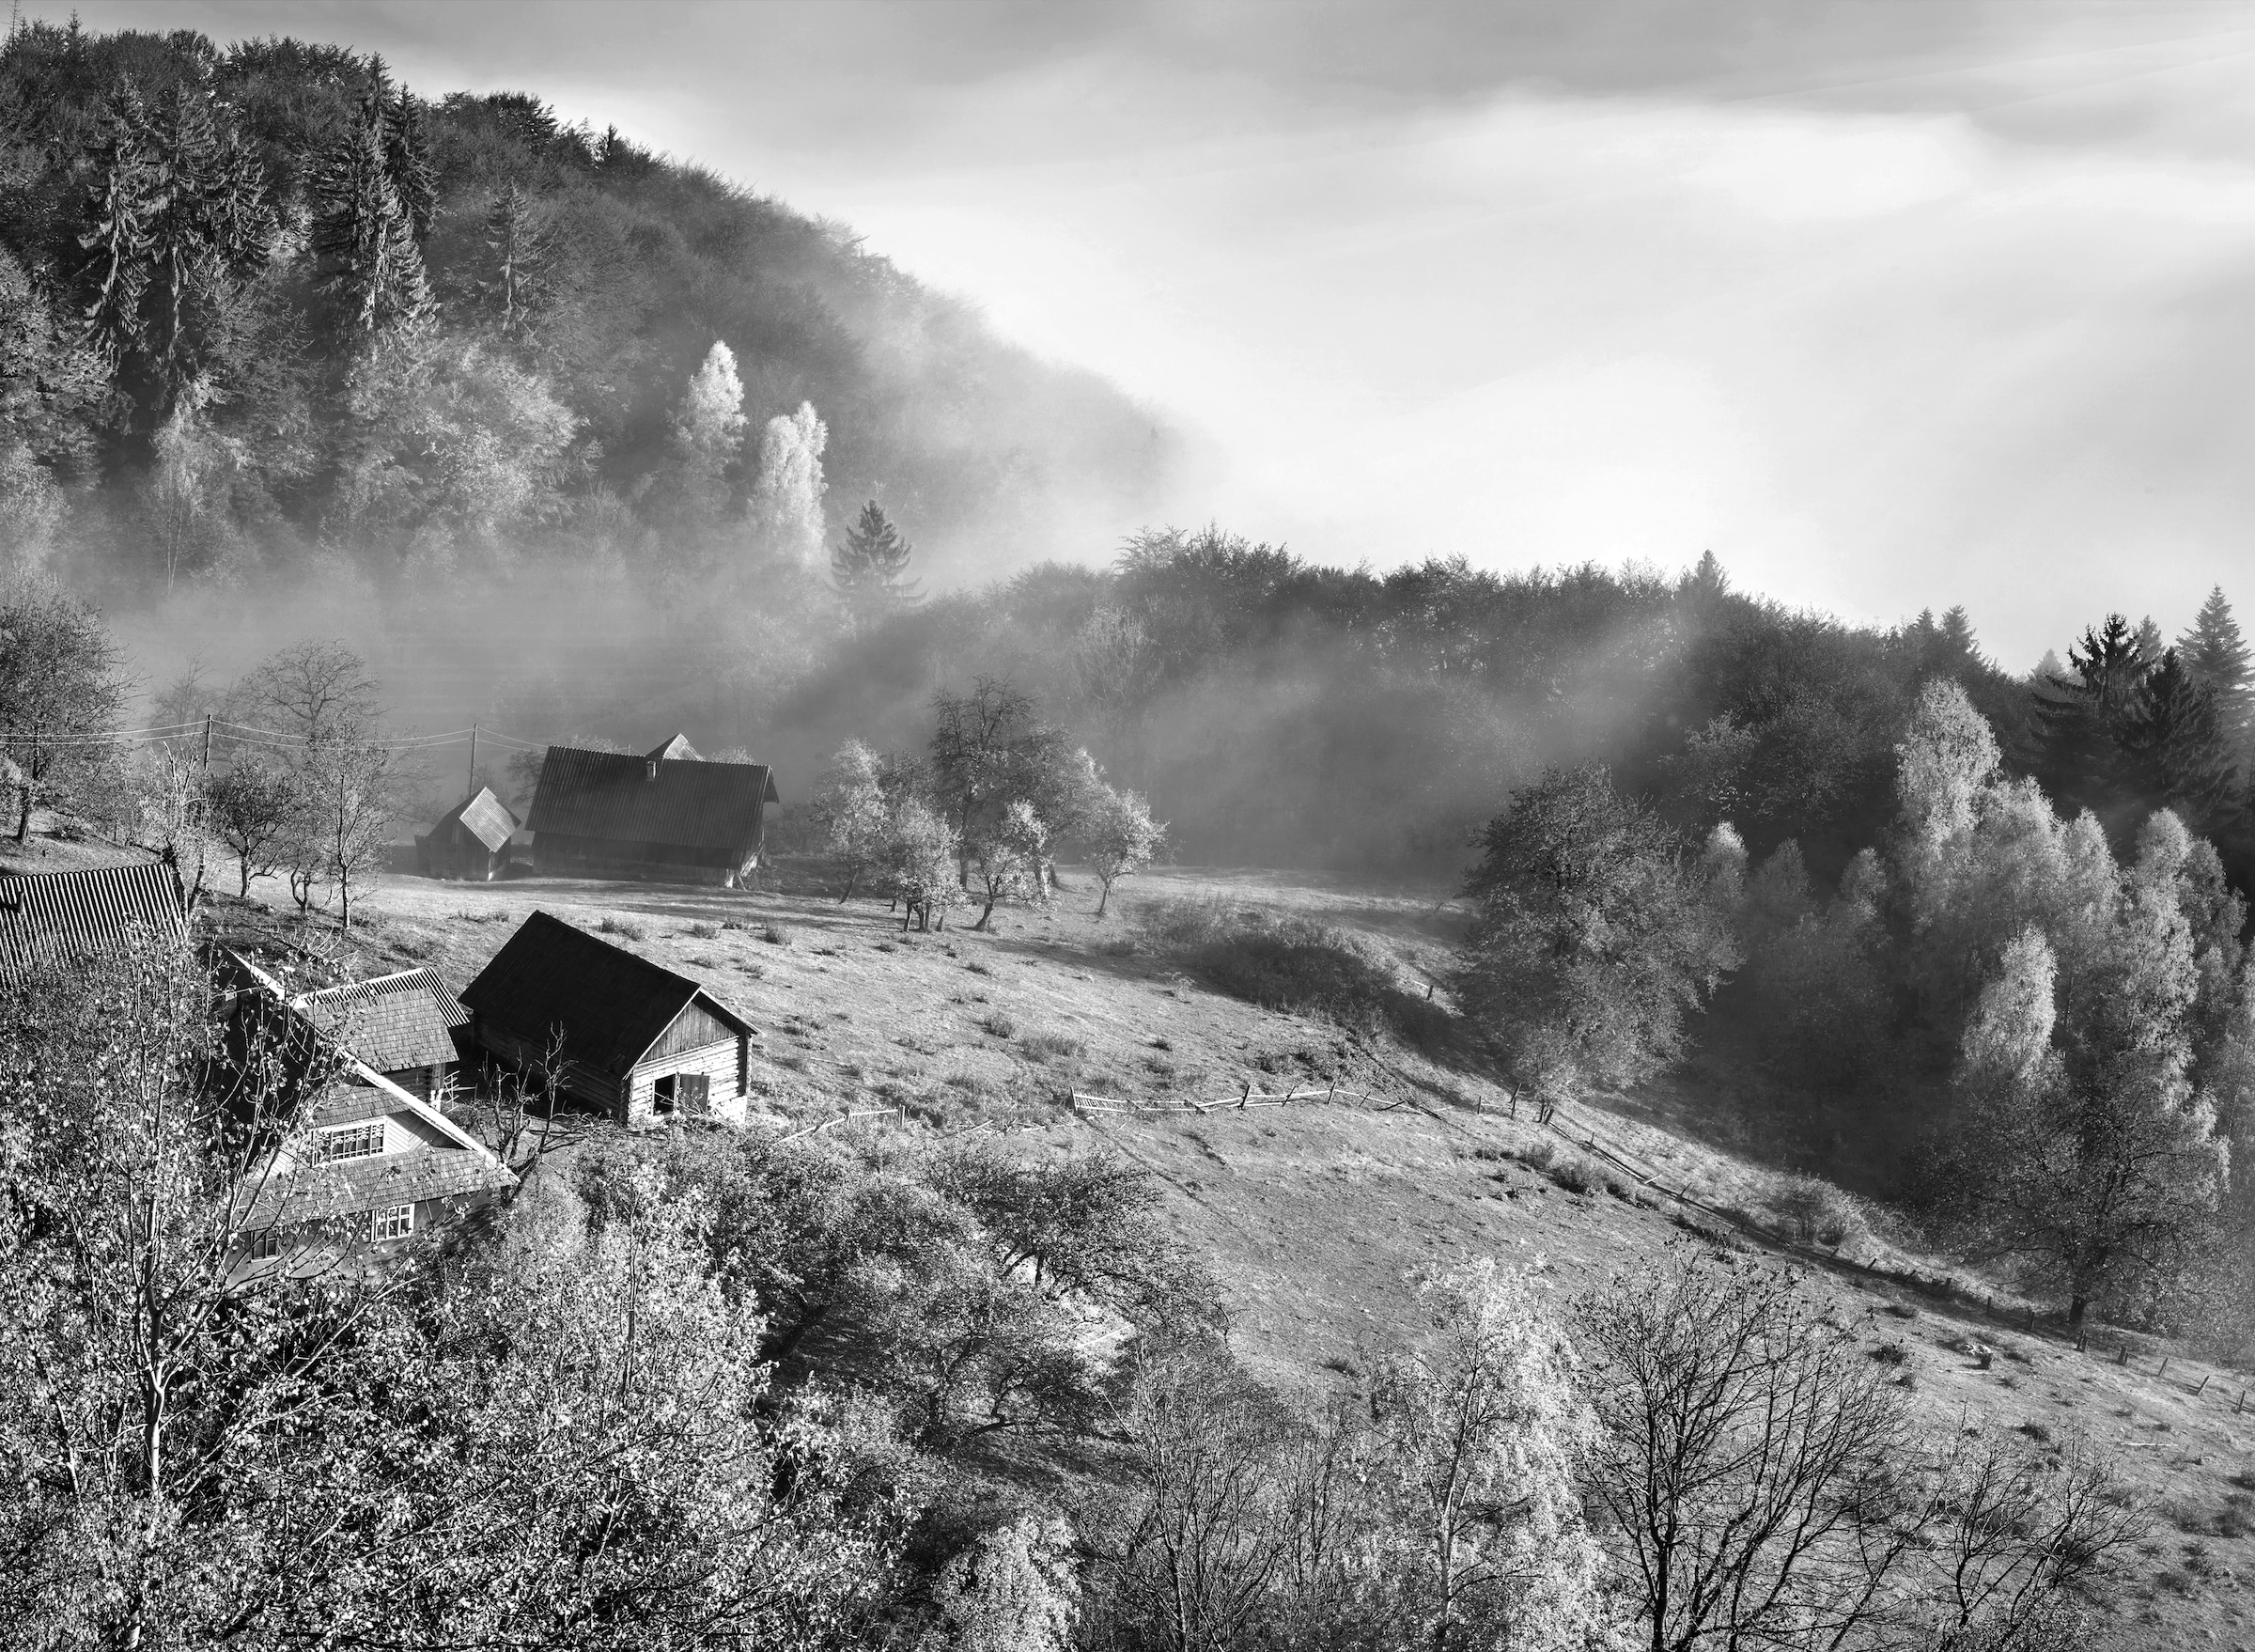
x,y
1006,857
252,806
1121,837
852,809
1593,937
989,749
60,691
918,863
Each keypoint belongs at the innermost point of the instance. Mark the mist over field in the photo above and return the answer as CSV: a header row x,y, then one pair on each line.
x,y
1447,1094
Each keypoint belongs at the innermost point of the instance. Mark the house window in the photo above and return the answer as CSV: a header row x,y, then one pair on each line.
x,y
392,1221
355,1141
264,1246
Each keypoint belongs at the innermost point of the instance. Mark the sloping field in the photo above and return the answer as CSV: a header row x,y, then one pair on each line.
x,y
1313,1214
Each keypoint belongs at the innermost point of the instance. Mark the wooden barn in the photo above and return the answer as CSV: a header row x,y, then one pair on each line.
x,y
665,814
357,1167
631,1038
408,1026
49,917
471,840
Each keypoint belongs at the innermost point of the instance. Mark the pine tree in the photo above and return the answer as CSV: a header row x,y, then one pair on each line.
x,y
2214,653
120,211
518,290
1958,641
407,159
2084,721
869,569
178,215
369,260
2150,646
2185,760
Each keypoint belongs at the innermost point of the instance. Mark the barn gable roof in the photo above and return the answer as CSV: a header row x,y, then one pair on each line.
x,y
678,750
651,799
392,1021
489,820
46,915
610,1005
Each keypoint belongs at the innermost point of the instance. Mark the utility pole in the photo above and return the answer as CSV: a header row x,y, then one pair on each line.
x,y
207,742
472,785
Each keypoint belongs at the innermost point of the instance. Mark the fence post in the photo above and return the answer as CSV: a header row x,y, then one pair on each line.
x,y
2204,1387
2163,1370
1245,1097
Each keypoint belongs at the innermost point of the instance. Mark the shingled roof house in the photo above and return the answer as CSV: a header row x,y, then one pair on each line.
x,y
46,916
359,1165
633,1039
665,814
409,1026
470,840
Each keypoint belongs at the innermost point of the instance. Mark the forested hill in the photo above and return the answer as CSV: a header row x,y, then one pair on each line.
x,y
259,303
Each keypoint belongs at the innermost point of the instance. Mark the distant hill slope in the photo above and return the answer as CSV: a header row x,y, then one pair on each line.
x,y
257,302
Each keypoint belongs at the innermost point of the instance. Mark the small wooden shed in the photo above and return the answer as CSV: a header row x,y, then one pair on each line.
x,y
619,1033
471,840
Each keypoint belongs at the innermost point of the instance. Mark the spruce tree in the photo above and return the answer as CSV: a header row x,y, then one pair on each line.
x,y
1958,641
517,290
369,261
120,213
869,568
407,159
2185,761
2084,722
2214,653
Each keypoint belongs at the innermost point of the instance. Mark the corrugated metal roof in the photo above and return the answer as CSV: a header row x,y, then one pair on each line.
x,y
392,1021
610,1005
652,800
58,914
489,820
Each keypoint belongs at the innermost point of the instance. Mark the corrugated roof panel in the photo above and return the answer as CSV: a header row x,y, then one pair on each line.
x,y
651,800
55,914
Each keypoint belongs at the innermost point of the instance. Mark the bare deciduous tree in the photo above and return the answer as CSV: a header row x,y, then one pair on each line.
x,y
1749,1458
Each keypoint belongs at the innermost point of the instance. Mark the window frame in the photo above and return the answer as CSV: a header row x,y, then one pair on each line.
x,y
399,1219
366,1135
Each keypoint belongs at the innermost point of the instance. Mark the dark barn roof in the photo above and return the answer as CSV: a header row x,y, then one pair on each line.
x,y
392,1021
489,820
46,915
612,1004
627,799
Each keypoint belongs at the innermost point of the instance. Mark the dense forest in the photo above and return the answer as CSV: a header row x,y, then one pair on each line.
x,y
261,309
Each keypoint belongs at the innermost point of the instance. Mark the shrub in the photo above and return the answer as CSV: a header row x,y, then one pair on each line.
x,y
1047,1046
702,932
1573,1173
611,925
1537,1154
1814,1211
774,936
997,1024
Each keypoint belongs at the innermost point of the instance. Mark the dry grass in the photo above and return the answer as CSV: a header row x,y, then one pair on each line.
x,y
1313,1216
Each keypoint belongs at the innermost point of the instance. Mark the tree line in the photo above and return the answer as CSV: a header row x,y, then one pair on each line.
x,y
717,1389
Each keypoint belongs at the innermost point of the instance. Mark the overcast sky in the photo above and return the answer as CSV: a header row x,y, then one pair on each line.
x,y
1890,305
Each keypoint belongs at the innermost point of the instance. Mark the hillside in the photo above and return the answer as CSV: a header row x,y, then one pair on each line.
x,y
1313,1215
261,307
